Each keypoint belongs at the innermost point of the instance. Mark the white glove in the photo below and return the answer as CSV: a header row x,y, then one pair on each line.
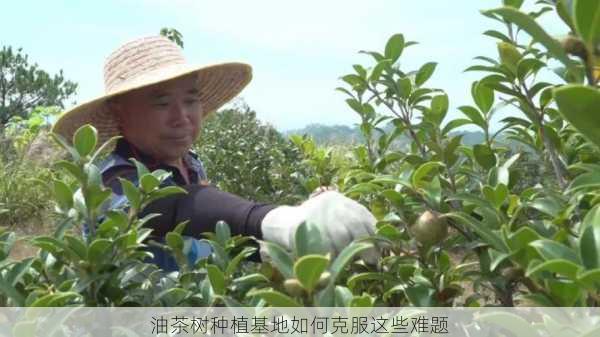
x,y
339,218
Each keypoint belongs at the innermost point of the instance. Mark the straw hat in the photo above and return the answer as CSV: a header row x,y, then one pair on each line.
x,y
147,61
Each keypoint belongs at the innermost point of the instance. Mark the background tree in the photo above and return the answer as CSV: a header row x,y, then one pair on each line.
x,y
173,35
23,86
249,158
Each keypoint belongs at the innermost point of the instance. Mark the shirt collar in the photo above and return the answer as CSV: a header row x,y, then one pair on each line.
x,y
127,150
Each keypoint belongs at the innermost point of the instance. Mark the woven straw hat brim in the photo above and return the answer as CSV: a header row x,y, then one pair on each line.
x,y
219,83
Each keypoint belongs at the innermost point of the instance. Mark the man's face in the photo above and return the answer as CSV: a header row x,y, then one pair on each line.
x,y
162,120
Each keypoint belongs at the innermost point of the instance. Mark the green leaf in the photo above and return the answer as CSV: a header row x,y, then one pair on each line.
x,y
585,181
592,217
55,299
85,139
217,279
521,238
378,70
484,156
590,278
420,295
279,258
394,47
274,298
308,270
551,250
131,192
474,115
309,240
76,246
513,3
343,296
425,73
48,244
509,56
496,196
73,169
482,230
63,194
587,21
422,171
498,35
345,256
528,24
364,301
141,169
99,250
559,266
232,267
404,87
175,241
12,293
172,296
483,96
223,232
579,105
18,270
148,182
547,205
589,246
439,107
455,123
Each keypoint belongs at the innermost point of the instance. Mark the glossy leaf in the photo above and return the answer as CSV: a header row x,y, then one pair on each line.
x,y
589,246
85,139
309,240
579,105
394,47
217,279
484,156
551,250
587,21
308,270
528,24
274,298
560,266
279,258
424,73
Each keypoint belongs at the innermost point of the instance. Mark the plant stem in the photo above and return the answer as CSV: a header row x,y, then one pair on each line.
x,y
559,170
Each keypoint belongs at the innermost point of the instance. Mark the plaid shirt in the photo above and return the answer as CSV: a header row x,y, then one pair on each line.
x,y
117,165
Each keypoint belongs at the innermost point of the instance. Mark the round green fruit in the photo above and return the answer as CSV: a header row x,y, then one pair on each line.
x,y
324,280
293,287
429,229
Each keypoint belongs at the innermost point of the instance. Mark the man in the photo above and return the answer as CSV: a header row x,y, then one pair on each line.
x,y
157,102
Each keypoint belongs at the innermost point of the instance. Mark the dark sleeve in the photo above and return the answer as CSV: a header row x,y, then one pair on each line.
x,y
204,206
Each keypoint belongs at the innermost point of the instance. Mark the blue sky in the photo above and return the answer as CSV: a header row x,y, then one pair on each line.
x,y
298,49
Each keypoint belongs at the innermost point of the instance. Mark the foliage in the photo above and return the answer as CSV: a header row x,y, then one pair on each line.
x,y
496,238
247,158
24,86
25,200
173,35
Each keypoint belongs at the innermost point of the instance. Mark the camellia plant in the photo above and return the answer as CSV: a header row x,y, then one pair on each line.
x,y
458,225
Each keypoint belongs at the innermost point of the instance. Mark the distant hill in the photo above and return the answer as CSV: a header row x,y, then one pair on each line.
x,y
329,134
342,134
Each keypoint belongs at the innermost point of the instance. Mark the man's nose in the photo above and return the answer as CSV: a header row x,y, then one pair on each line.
x,y
178,114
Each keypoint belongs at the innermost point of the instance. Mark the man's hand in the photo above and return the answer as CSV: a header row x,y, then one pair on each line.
x,y
339,218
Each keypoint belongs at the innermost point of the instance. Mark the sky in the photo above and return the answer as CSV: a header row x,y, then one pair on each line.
x,y
298,49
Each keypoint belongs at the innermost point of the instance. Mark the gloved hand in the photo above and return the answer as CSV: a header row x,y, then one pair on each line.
x,y
339,218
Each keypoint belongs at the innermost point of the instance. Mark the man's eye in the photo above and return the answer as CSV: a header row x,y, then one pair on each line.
x,y
191,101
161,104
